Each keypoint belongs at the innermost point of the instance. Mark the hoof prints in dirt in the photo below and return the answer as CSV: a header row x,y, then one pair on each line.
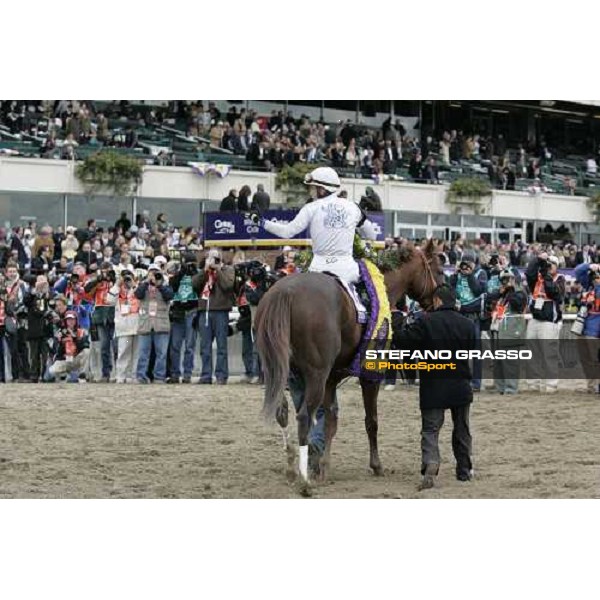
x,y
62,442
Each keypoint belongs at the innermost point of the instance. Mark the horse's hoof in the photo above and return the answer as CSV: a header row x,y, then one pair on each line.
x,y
377,470
305,489
291,474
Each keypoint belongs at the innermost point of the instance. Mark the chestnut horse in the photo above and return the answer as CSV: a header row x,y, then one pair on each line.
x,y
308,322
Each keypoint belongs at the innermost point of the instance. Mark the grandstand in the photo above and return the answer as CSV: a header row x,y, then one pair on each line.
x,y
558,140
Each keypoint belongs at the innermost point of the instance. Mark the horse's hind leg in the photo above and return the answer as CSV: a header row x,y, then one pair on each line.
x,y
313,397
282,418
370,391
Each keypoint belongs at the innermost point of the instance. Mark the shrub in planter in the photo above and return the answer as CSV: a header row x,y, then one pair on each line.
x,y
106,169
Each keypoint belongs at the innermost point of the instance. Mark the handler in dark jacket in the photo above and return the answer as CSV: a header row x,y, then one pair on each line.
x,y
443,329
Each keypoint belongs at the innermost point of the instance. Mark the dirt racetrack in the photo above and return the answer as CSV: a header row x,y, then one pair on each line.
x,y
109,441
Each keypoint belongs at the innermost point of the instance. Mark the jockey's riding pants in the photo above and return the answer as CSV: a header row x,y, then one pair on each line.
x,y
345,267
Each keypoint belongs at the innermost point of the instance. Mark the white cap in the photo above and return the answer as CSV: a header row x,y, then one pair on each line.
x,y
154,267
160,260
287,249
553,260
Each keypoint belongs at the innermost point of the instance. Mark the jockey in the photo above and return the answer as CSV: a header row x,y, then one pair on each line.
x,y
331,222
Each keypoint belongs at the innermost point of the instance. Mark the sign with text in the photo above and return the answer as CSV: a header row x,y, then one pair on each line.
x,y
235,229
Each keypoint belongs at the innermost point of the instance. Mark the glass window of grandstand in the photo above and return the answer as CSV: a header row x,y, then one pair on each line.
x,y
21,209
509,230
105,209
179,212
445,220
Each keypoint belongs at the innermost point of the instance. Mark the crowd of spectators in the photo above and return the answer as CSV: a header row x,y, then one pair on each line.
x,y
138,293
270,142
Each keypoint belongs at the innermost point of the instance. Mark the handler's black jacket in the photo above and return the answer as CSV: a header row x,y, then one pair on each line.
x,y
441,329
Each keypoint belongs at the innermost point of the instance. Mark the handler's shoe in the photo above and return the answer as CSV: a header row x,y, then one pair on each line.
x,y
429,476
390,387
465,475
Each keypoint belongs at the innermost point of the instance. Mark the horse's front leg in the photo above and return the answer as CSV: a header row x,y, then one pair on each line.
x,y
370,391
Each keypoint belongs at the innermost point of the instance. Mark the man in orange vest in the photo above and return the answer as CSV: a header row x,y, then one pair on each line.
x,y
547,289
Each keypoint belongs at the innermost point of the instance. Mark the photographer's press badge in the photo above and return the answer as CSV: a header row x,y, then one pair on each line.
x,y
125,309
152,308
539,304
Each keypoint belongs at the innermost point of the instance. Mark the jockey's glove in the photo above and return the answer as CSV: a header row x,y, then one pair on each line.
x,y
256,218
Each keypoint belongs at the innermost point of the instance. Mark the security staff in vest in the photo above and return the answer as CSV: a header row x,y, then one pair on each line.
x,y
547,289
444,328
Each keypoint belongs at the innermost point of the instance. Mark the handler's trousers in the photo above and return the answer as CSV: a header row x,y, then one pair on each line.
x,y
432,421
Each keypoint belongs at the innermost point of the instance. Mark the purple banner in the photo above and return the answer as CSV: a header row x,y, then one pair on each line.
x,y
234,229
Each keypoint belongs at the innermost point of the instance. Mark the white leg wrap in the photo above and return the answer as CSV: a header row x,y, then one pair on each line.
x,y
286,437
304,462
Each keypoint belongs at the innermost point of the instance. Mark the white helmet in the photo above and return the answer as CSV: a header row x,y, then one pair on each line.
x,y
324,177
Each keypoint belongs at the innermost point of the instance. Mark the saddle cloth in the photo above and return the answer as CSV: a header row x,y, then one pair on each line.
x,y
377,333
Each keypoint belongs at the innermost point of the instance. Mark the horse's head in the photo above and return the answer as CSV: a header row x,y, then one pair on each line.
x,y
416,271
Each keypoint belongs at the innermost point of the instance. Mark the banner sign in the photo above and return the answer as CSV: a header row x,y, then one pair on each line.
x,y
234,229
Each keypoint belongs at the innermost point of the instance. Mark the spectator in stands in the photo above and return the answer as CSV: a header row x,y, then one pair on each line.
x,y
591,167
415,168
430,173
243,202
261,200
123,223
216,135
229,203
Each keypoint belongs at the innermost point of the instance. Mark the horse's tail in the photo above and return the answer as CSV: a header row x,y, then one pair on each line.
x,y
273,343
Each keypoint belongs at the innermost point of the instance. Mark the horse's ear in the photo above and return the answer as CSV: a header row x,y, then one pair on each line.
x,y
429,248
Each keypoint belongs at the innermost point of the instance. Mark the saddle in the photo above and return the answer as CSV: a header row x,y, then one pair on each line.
x,y
359,296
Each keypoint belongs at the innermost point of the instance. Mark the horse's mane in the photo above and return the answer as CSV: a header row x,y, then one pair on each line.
x,y
392,258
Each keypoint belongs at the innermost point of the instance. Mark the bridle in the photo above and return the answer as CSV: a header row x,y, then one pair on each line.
x,y
428,276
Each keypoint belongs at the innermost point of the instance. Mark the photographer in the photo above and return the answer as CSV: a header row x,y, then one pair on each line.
x,y
3,345
588,277
39,326
183,312
127,308
103,317
154,295
15,323
246,275
547,297
216,282
72,349
470,284
508,329
71,285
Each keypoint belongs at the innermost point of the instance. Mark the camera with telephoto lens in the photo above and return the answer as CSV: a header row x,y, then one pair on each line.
x,y
74,279
190,269
158,276
543,267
